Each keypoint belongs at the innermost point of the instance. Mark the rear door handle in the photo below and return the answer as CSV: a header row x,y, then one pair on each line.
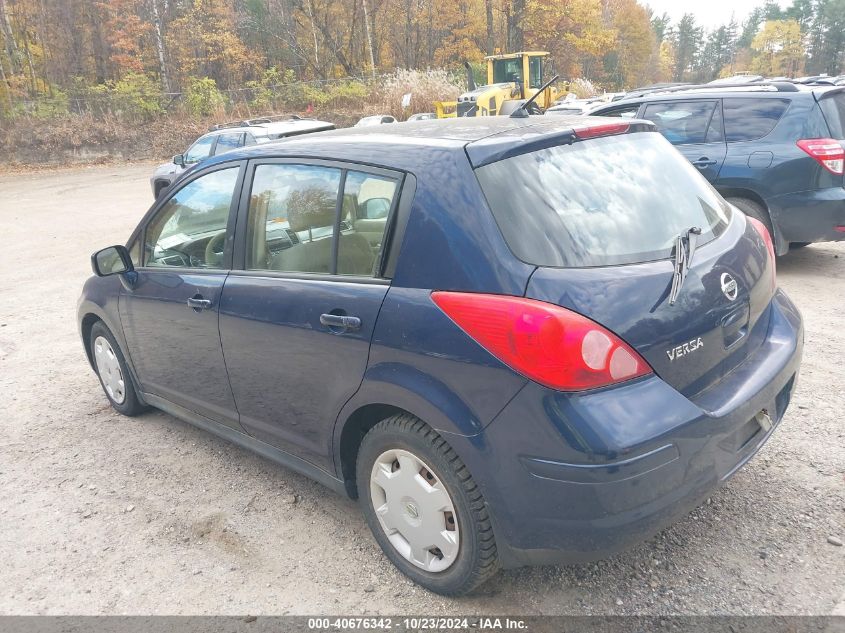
x,y
339,322
198,303
703,162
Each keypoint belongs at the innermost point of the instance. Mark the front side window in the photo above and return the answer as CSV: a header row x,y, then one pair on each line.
x,y
199,150
682,122
189,231
535,68
614,200
227,142
747,119
135,252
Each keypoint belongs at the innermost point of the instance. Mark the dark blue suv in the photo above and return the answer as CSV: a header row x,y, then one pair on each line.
x,y
516,341
774,150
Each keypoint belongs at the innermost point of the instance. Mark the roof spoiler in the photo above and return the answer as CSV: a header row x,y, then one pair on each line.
x,y
533,137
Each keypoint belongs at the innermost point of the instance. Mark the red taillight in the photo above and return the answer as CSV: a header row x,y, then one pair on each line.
x,y
544,342
827,152
605,129
770,245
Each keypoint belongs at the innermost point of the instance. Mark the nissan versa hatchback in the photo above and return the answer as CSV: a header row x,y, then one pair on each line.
x,y
515,341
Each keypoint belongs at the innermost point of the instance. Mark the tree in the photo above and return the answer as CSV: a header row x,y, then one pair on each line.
x,y
573,31
827,42
778,49
633,59
687,44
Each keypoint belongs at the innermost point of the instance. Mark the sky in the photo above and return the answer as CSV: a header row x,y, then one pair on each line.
x,y
709,13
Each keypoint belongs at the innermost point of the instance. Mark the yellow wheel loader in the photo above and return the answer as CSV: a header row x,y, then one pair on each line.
x,y
512,79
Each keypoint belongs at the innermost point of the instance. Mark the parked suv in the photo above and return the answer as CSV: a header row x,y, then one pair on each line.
x,y
228,136
515,341
774,150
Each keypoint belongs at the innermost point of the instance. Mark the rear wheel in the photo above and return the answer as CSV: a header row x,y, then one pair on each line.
x,y
754,210
424,508
112,371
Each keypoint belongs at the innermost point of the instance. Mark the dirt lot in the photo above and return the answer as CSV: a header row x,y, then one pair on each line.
x,y
104,514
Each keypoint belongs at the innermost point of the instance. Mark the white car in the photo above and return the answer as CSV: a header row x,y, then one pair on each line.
x,y
228,136
376,119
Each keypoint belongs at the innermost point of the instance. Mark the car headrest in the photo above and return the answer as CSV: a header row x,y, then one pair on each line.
x,y
310,209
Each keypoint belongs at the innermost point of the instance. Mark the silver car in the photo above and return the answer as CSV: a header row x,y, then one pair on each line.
x,y
228,136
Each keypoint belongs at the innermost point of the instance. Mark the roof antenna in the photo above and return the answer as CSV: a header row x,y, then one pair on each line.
x,y
522,111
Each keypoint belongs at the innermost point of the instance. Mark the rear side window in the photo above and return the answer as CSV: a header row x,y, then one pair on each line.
x,y
293,219
833,108
747,119
682,122
614,200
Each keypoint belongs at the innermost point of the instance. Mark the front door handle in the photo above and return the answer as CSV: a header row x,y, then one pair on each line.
x,y
703,162
339,322
198,303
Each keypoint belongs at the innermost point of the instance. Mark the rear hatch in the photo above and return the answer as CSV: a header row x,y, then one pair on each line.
x,y
832,104
600,218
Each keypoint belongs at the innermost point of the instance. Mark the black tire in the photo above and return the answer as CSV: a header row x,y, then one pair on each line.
x,y
754,210
477,560
131,405
797,245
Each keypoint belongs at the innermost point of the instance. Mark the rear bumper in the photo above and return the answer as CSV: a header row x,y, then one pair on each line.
x,y
810,216
577,477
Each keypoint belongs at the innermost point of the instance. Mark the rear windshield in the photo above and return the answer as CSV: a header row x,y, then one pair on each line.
x,y
833,108
613,200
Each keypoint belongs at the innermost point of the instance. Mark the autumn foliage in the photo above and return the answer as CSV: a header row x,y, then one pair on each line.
x,y
97,56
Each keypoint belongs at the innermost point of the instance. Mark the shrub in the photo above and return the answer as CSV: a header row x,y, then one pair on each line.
x,y
202,98
425,86
50,107
583,88
137,96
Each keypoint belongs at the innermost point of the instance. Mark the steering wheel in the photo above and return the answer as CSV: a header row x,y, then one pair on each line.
x,y
214,250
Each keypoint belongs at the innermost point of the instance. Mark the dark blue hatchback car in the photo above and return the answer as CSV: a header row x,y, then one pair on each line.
x,y
516,341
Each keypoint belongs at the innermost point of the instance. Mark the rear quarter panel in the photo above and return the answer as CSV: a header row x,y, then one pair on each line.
x,y
419,359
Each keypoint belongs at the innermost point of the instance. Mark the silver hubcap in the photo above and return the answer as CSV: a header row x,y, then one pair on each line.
x,y
109,369
415,510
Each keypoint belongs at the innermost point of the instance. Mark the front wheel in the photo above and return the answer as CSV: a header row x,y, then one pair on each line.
x,y
112,371
424,508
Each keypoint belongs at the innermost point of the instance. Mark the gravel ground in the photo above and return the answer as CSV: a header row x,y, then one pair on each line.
x,y
101,514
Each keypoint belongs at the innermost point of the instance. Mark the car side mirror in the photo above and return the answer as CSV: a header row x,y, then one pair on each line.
x,y
179,159
114,260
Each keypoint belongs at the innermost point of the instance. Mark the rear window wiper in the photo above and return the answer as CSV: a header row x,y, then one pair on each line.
x,y
684,250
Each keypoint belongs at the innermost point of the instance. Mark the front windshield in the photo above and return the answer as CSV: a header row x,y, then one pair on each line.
x,y
199,150
507,70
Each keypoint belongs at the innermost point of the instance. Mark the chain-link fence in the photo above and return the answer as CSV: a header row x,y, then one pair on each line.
x,y
138,97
